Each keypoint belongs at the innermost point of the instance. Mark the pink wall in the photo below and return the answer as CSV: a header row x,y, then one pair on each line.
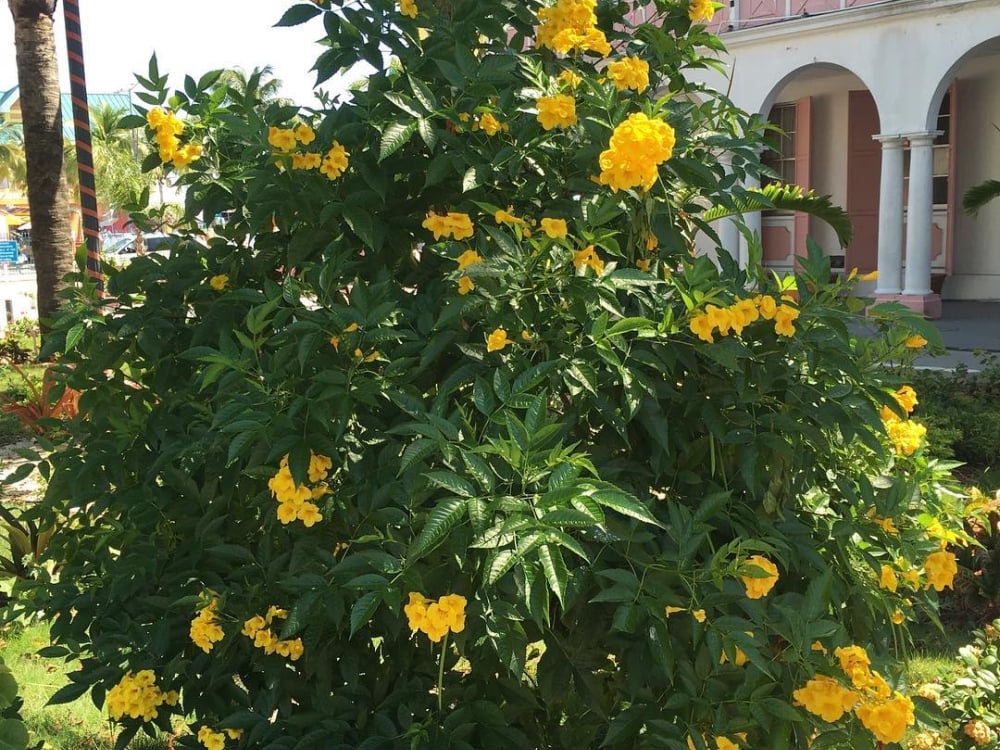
x,y
760,12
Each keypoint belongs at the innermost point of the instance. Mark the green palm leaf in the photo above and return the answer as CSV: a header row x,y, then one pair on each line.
x,y
979,195
781,197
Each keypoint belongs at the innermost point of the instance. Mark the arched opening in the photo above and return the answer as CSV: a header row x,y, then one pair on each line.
x,y
825,118
970,90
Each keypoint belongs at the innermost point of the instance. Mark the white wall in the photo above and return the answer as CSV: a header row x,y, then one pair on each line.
x,y
976,260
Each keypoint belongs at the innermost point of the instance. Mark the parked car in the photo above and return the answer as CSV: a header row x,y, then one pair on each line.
x,y
125,249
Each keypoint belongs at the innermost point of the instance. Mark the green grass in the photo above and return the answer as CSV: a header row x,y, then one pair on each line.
x,y
79,725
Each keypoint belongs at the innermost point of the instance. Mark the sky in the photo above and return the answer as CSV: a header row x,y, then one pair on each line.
x,y
189,37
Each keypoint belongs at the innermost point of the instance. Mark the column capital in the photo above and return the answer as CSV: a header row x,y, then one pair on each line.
x,y
889,140
922,138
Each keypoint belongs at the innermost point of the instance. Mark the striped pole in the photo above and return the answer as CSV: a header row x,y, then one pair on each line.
x,y
84,152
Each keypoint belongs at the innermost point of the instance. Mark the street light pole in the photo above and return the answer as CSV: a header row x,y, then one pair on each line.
x,y
84,150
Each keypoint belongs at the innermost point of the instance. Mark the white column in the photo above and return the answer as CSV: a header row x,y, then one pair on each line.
x,y
917,279
890,217
752,222
729,233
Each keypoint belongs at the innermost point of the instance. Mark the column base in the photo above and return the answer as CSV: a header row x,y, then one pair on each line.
x,y
928,305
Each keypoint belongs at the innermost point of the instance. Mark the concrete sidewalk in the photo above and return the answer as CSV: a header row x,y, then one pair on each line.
x,y
971,334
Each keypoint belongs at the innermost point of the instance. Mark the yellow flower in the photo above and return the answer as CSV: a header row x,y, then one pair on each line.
x,y
506,217
571,25
526,335
637,148
915,341
306,160
155,117
887,579
205,630
783,317
702,327
569,79
825,697
673,610
408,8
978,731
251,626
940,568
233,734
629,73
870,276
556,111
335,162
767,306
588,257
724,743
186,154
887,720
304,134
281,138
465,285
497,340
898,618
436,619
453,224
554,228
488,124
642,265
817,646
138,697
701,11
319,466
906,436
758,586
719,317
219,282
698,614
210,739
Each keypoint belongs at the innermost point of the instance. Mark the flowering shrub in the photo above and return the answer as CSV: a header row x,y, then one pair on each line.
x,y
653,494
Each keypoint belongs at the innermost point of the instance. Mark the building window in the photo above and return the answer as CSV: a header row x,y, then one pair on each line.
x,y
779,156
940,158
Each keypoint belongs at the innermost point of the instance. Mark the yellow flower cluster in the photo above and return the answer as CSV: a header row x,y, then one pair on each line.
x,y
758,585
883,713
588,258
138,697
721,742
168,131
556,111
452,224
335,162
741,314
466,259
701,11
978,731
258,630
205,630
285,140
941,567
213,740
295,500
637,148
629,73
571,25
906,434
436,619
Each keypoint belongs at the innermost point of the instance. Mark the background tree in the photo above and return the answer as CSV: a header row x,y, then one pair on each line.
x,y
12,171
260,87
38,79
118,155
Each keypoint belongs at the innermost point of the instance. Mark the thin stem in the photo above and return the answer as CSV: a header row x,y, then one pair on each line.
x,y
440,690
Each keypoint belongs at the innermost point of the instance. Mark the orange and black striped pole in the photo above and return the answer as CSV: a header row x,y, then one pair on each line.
x,y
84,151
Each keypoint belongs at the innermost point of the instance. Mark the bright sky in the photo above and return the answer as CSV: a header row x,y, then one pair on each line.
x,y
188,36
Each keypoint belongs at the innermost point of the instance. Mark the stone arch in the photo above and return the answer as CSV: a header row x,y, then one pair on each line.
x,y
991,44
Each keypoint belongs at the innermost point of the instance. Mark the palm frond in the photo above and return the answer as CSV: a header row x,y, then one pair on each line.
x,y
781,197
979,195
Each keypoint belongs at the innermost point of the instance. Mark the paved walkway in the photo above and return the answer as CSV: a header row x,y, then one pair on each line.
x,y
971,334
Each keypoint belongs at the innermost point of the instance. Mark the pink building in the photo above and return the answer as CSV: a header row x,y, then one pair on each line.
x,y
893,109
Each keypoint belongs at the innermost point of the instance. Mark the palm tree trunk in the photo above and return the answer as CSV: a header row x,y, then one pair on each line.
x,y
38,80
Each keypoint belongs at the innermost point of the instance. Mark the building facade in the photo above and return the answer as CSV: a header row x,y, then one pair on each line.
x,y
893,109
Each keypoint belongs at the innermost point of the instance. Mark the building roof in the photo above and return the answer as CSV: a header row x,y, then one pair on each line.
x,y
10,104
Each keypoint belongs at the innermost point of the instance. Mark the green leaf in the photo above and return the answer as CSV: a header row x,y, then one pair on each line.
x,y
394,137
423,94
451,481
498,564
73,336
360,222
630,324
440,520
298,14
363,610
13,735
554,568
979,195
68,693
627,505
8,687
